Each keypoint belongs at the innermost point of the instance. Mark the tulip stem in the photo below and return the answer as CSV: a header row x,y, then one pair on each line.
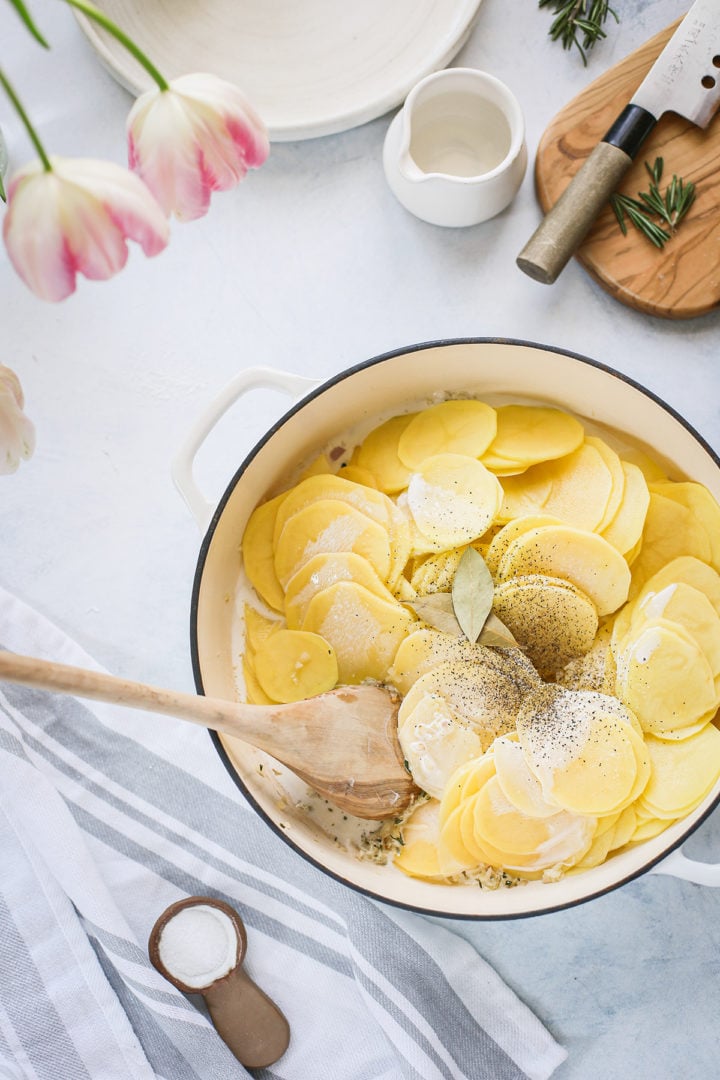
x,y
19,109
102,19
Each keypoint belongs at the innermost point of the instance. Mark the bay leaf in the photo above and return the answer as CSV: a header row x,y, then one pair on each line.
x,y
496,634
472,593
437,611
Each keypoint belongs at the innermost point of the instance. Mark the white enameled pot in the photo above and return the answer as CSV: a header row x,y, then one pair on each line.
x,y
496,371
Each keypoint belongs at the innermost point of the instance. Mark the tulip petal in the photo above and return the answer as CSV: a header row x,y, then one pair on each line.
x,y
77,218
17,433
34,238
199,136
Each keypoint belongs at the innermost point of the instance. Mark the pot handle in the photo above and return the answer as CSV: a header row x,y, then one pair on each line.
x,y
678,865
254,378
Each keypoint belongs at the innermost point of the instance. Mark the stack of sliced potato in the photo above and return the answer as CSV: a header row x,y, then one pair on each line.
x,y
666,645
328,553
481,826
528,435
591,488
592,735
682,519
683,772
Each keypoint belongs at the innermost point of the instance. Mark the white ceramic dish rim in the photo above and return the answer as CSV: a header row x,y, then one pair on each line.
x,y
668,860
331,123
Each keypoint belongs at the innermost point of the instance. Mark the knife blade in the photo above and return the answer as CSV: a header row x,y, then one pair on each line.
x,y
685,79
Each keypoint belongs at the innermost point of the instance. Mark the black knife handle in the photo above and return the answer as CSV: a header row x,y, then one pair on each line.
x,y
631,128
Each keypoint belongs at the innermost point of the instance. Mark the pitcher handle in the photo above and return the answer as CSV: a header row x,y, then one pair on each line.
x,y
678,865
254,378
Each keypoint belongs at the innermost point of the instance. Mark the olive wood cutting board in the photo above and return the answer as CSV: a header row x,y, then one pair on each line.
x,y
682,279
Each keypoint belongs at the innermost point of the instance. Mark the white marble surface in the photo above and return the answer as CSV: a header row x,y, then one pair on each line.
x,y
311,265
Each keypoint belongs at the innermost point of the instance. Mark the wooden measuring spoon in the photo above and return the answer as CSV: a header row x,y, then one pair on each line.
x,y
343,744
190,939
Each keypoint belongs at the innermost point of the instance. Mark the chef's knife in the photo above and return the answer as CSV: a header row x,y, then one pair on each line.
x,y
684,79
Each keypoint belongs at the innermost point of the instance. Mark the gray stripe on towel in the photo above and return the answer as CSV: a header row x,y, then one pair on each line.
x,y
31,1011
163,1038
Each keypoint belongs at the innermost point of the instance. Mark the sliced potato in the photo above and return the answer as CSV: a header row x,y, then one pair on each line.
x,y
258,628
364,630
648,828
551,618
435,742
452,427
324,570
665,678
292,665
509,532
597,853
575,488
329,526
254,693
485,697
595,567
691,571
451,843
595,670
670,531
648,466
374,504
584,749
520,786
420,855
682,773
257,552
529,434
624,828
624,530
453,499
378,453
356,474
705,510
435,572
517,841
465,782
427,648
617,473
683,604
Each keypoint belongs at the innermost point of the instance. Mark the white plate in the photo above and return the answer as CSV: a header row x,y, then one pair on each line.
x,y
310,67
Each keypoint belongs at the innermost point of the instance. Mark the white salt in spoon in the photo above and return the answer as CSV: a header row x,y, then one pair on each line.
x,y
343,744
199,945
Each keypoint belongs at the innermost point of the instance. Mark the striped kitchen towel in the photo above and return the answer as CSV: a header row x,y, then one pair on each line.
x,y
109,815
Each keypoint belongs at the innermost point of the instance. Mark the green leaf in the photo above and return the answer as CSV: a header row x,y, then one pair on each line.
x,y
27,19
437,611
496,634
472,593
3,196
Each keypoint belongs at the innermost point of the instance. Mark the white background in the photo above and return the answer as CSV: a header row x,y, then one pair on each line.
x,y
312,266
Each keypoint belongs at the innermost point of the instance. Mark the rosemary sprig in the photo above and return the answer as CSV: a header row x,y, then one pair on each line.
x,y
579,22
651,205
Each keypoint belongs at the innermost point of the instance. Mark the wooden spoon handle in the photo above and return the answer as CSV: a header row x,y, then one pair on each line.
x,y
252,722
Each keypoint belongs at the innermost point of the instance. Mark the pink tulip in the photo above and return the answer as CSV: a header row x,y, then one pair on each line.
x,y
76,219
17,434
198,136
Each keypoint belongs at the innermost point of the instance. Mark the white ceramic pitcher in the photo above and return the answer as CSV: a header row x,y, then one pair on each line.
x,y
455,154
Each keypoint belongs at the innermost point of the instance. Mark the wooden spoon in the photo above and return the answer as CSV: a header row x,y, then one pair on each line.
x,y
343,744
